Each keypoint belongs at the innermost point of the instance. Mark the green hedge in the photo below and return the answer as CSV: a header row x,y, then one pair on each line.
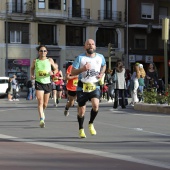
x,y
152,97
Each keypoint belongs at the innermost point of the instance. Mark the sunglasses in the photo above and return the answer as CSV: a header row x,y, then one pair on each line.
x,y
43,51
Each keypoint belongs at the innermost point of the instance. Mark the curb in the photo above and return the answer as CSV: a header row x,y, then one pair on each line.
x,y
152,107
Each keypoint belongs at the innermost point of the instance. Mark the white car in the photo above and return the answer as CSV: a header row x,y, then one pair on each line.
x,y
3,85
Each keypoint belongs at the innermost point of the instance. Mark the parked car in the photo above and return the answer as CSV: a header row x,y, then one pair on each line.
x,y
3,85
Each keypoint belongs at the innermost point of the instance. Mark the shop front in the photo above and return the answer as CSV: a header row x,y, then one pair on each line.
x,y
21,68
145,60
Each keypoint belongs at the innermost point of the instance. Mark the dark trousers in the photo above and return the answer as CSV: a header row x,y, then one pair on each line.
x,y
116,99
14,94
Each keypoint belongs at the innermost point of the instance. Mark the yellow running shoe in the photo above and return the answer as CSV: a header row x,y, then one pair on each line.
x,y
92,129
42,124
82,133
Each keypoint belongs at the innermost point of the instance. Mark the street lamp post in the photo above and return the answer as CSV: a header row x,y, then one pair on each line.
x,y
165,37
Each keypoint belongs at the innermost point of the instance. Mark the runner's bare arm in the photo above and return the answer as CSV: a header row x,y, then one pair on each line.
x,y
86,67
53,66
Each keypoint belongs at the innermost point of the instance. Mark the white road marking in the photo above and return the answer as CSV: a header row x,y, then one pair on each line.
x,y
88,151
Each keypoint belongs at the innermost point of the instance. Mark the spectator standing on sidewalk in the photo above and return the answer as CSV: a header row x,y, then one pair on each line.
x,y
119,75
109,82
71,86
90,66
134,85
10,90
42,69
30,90
141,77
152,76
14,88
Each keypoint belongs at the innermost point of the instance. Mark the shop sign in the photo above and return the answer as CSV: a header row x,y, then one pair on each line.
x,y
148,59
132,58
22,62
139,57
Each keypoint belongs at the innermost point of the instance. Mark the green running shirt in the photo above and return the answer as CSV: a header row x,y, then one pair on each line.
x,y
42,71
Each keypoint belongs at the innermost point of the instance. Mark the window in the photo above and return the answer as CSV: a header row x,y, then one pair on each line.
x,y
18,33
147,11
41,4
54,4
108,9
17,6
140,42
64,6
76,8
47,34
163,11
15,36
104,36
75,36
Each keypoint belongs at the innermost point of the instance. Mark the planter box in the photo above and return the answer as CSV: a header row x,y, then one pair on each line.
x,y
157,108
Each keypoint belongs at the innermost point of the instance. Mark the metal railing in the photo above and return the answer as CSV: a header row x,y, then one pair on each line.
x,y
19,8
110,15
81,13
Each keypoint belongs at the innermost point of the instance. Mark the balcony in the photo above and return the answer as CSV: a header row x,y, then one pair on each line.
x,y
20,8
82,13
110,15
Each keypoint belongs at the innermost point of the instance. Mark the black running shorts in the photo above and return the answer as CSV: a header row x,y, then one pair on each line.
x,y
83,97
47,88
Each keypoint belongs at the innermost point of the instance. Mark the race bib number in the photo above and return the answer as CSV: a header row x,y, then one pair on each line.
x,y
55,79
75,82
42,73
89,87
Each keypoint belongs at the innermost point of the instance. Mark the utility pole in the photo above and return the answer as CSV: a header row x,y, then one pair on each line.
x,y
6,39
127,36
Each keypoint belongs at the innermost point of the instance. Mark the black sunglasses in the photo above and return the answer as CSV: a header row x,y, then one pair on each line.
x,y
43,51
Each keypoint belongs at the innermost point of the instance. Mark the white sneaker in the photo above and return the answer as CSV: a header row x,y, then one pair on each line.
x,y
16,99
10,100
110,101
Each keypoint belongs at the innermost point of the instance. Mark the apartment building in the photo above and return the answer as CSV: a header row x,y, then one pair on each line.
x,y
145,42
62,25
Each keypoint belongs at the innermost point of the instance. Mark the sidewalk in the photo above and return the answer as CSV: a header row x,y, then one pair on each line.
x,y
155,108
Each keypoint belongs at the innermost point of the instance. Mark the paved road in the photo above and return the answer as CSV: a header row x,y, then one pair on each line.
x,y
126,139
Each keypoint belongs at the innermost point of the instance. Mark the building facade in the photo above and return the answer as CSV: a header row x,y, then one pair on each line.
x,y
61,25
145,44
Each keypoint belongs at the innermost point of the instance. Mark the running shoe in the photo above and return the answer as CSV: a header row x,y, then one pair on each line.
x,y
55,105
42,124
82,133
92,129
66,112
